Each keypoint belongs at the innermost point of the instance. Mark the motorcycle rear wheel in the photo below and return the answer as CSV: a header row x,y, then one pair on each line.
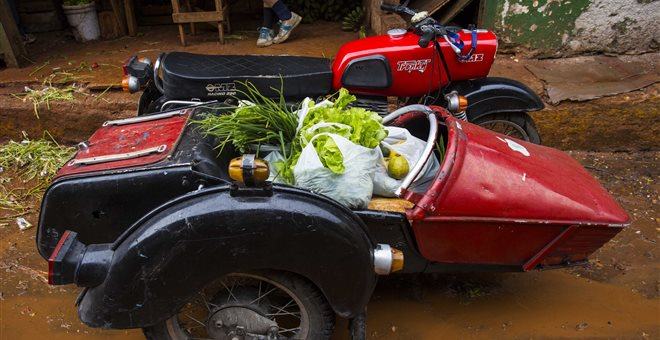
x,y
515,124
255,297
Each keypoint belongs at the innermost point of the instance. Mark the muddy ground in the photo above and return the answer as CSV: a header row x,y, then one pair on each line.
x,y
615,296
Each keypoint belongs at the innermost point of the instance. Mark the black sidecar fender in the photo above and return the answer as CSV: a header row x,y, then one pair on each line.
x,y
172,253
494,94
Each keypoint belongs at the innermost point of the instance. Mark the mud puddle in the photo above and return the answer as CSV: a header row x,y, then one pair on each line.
x,y
526,305
616,296
546,305
52,316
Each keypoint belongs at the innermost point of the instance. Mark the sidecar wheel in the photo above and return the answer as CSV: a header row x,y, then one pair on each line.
x,y
515,124
263,305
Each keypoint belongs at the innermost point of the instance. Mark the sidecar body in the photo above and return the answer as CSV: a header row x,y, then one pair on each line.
x,y
146,214
498,201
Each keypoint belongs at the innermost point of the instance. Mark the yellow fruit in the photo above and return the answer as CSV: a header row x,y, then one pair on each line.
x,y
398,166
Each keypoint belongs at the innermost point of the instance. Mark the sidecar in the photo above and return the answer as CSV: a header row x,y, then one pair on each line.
x,y
147,218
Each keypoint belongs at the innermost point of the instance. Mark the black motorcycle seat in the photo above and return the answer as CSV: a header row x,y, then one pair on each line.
x,y
187,75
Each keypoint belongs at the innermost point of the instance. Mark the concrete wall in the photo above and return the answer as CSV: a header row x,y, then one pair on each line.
x,y
549,28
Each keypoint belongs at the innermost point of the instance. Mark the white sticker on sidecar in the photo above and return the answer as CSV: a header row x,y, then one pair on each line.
x,y
515,146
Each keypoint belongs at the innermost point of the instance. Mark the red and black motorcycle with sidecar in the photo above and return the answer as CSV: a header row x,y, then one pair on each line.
x,y
165,234
428,63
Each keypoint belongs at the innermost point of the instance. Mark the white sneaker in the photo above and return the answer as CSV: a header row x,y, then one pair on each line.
x,y
286,27
265,37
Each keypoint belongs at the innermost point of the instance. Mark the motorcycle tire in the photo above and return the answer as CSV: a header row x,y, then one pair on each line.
x,y
516,124
313,305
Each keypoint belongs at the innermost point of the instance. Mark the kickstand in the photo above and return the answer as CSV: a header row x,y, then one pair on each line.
x,y
357,326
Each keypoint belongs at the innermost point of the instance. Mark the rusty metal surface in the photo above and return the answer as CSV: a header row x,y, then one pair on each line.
x,y
120,146
586,78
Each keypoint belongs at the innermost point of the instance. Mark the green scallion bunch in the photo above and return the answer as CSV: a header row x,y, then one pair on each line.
x,y
261,121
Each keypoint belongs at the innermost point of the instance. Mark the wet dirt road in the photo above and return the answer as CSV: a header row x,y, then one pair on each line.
x,y
529,305
616,296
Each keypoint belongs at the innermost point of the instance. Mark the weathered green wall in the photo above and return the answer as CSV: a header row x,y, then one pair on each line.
x,y
564,27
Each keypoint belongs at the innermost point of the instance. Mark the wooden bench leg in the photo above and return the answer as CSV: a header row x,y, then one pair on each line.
x,y
226,19
131,22
182,35
219,6
222,32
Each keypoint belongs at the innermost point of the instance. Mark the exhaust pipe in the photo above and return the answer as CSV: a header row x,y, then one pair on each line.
x,y
387,259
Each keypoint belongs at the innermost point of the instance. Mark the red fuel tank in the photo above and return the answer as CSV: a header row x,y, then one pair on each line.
x,y
397,66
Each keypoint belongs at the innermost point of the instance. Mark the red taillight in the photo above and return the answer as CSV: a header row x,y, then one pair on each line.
x,y
53,256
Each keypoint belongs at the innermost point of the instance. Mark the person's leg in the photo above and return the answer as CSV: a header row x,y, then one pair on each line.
x,y
269,18
288,21
266,32
281,10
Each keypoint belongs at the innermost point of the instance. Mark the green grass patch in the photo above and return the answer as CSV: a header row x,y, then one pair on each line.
x,y
34,158
36,162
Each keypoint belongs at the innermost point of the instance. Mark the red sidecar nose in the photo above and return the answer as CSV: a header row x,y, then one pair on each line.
x,y
501,201
496,176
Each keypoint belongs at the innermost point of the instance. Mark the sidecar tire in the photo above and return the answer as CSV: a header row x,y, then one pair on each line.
x,y
321,315
521,119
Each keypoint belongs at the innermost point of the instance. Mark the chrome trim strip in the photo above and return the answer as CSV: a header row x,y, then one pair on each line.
x,y
158,85
410,108
430,143
181,102
426,154
141,119
118,157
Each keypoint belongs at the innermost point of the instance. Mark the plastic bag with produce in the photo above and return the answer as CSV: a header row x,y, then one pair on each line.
x,y
334,166
402,147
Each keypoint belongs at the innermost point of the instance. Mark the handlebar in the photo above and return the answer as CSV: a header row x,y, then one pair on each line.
x,y
428,29
426,35
398,9
389,8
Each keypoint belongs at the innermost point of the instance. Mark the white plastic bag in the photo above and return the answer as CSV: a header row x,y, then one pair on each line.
x,y
273,158
352,188
400,140
305,107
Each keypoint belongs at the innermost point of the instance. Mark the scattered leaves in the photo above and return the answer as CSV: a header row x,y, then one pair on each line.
x,y
34,158
37,161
